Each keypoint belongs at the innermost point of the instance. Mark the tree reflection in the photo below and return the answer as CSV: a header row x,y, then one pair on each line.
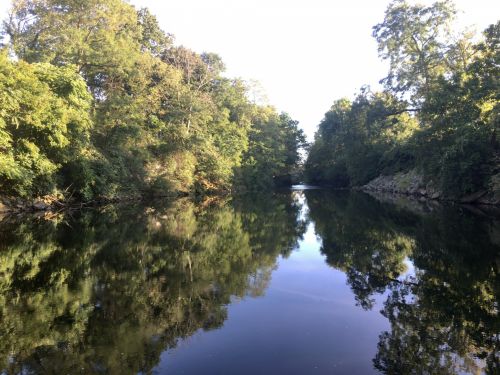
x,y
444,316
109,291
359,237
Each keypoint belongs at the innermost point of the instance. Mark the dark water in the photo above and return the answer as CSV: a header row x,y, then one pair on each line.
x,y
303,282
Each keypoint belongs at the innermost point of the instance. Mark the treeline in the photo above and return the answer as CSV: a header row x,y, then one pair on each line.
x,y
96,101
438,114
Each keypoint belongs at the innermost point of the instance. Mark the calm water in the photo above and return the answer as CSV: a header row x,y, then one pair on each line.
x,y
301,282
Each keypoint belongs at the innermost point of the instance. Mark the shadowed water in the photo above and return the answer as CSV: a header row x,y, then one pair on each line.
x,y
300,282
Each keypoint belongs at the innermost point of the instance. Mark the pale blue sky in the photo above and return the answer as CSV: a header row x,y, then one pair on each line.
x,y
305,53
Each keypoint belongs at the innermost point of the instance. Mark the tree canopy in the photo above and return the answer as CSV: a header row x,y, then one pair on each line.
x,y
438,114
98,101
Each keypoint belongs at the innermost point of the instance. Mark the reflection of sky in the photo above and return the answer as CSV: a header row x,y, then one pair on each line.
x,y
306,322
410,268
308,251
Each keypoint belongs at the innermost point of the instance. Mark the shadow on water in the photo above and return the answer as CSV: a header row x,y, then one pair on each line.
x,y
109,291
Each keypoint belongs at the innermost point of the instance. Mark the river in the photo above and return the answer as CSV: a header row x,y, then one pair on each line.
x,y
306,281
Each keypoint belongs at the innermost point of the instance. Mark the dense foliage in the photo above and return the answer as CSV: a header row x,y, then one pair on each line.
x,y
97,101
439,113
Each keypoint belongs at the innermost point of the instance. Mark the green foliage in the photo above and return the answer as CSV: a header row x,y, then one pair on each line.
x,y
273,155
357,141
415,39
159,118
450,132
45,124
461,120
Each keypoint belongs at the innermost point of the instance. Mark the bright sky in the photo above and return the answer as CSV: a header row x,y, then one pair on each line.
x,y
305,53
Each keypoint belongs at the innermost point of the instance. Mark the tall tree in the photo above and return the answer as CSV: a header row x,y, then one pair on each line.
x,y
100,37
415,40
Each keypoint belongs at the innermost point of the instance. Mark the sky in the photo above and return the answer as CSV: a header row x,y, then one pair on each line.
x,y
304,53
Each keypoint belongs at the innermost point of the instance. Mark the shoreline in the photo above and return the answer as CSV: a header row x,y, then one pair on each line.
x,y
475,199
50,204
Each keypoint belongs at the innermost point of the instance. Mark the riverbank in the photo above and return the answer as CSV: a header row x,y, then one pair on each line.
x,y
409,185
52,203
413,184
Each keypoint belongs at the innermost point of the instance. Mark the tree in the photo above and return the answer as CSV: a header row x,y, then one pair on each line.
x,y
100,37
448,135
273,155
153,39
415,40
45,124
357,141
163,118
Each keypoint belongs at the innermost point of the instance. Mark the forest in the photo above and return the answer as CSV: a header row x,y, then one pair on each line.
x,y
437,117
98,102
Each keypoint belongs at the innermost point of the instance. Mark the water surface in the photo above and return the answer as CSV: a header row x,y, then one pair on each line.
x,y
301,282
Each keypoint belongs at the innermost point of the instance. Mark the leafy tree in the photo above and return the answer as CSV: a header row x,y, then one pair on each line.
x,y
100,37
273,154
153,39
415,40
357,141
161,120
450,134
45,124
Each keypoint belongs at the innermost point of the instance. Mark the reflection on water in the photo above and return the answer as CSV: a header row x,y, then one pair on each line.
x,y
289,282
108,291
444,315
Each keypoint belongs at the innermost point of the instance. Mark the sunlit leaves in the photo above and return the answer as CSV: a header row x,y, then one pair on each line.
x,y
44,123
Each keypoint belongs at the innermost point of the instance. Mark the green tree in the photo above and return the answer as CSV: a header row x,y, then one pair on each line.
x,y
100,37
415,40
273,156
357,141
449,136
162,118
45,124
